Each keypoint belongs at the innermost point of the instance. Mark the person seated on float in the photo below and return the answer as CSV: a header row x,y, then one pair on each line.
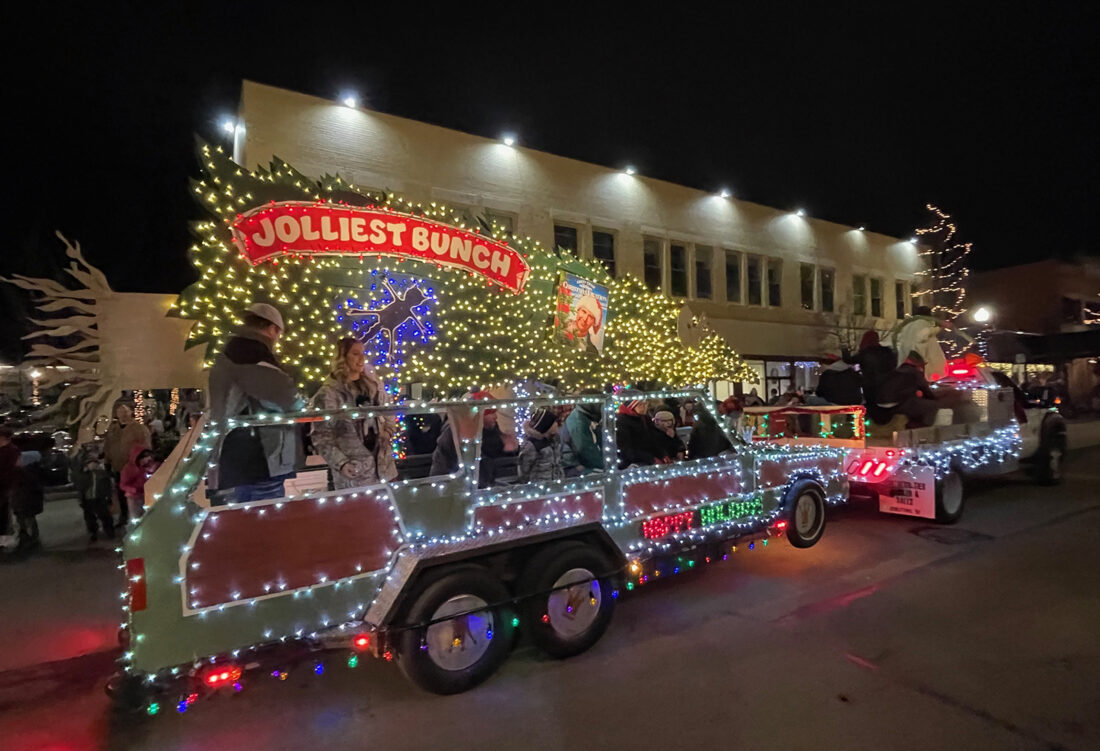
x,y
875,363
540,457
838,383
707,437
665,438
920,332
582,441
635,435
752,399
494,445
906,392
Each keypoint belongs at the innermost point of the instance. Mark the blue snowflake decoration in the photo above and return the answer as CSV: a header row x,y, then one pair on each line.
x,y
398,315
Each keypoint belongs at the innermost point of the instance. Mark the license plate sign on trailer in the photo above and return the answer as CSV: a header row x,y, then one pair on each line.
x,y
911,492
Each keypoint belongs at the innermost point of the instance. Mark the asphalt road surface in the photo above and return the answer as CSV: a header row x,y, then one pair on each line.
x,y
889,634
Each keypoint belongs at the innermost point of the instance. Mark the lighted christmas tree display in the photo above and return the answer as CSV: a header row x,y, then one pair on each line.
x,y
423,322
944,274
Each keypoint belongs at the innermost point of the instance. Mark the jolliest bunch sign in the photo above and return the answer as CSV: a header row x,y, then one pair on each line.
x,y
297,228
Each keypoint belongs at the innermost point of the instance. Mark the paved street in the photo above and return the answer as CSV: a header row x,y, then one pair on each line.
x,y
888,634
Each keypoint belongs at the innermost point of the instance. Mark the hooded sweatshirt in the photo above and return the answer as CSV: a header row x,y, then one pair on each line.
x,y
132,480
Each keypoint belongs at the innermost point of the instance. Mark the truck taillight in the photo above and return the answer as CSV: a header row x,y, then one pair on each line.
x,y
222,675
135,579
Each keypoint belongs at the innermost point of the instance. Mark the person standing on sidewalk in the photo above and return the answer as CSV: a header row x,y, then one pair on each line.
x,y
125,433
9,468
28,498
247,380
93,486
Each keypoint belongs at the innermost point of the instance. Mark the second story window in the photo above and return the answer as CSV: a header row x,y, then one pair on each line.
x,y
775,282
651,248
754,276
565,237
501,220
806,285
603,249
678,271
876,298
733,276
859,295
827,280
901,294
703,257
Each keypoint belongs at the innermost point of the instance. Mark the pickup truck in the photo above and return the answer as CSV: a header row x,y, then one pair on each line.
x,y
433,571
987,427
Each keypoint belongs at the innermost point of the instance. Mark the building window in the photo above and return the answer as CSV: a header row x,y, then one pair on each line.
x,y
775,277
733,276
704,255
678,271
859,295
755,280
827,279
653,272
603,249
900,297
876,298
806,284
565,237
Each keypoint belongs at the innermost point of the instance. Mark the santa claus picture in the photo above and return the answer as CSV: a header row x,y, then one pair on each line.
x,y
581,314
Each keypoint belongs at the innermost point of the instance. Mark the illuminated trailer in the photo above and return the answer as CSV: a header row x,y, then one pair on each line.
x,y
987,427
437,572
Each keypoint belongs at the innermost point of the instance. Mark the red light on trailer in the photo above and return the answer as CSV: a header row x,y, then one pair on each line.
x,y
222,676
781,524
961,371
890,452
361,641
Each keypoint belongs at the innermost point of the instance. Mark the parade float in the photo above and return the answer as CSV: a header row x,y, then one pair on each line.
x,y
438,572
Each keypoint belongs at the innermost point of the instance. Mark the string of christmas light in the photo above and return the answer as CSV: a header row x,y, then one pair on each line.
x,y
479,335
943,273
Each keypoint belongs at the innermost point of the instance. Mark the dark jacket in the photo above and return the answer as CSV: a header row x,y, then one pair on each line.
x,y
840,386
666,445
9,469
422,432
27,493
635,440
876,363
540,459
246,380
445,457
904,383
707,438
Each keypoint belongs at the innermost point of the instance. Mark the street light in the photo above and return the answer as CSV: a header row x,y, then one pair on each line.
x,y
983,314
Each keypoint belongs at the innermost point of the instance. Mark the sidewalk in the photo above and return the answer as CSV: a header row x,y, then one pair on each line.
x,y
1082,434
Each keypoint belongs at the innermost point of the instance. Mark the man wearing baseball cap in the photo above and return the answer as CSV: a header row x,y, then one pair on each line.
x,y
246,380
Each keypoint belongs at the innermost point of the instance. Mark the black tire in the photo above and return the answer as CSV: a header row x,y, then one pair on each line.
x,y
421,653
1048,459
563,621
950,498
805,504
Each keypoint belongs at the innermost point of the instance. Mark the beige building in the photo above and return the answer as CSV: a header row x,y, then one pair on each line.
x,y
777,285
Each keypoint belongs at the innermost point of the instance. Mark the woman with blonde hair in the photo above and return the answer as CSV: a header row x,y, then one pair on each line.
x,y
358,452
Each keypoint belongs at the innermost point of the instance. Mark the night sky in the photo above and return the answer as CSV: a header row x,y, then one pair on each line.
x,y
989,111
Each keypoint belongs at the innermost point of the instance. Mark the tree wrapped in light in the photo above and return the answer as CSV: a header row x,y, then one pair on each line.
x,y
944,273
480,335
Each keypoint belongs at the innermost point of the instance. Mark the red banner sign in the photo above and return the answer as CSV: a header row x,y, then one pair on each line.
x,y
296,228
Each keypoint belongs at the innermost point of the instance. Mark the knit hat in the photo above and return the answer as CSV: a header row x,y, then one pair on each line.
x,y
730,404
630,406
591,411
542,419
664,415
870,339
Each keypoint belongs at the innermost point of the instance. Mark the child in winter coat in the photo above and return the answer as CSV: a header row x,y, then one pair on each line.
x,y
141,466
540,456
92,481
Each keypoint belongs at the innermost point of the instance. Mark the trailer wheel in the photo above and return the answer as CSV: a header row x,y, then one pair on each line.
x,y
573,601
806,504
453,654
1048,460
950,498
